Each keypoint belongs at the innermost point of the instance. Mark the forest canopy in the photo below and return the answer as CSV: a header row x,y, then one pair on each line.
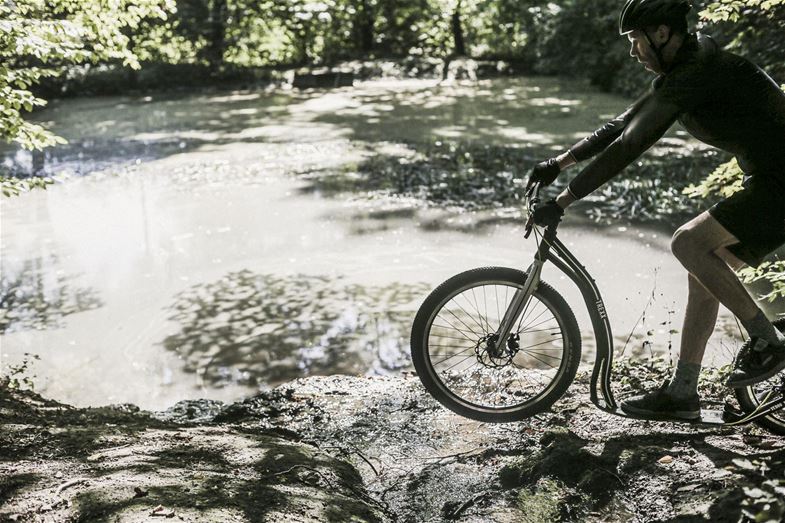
x,y
66,47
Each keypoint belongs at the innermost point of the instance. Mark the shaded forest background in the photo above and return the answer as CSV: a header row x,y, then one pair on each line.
x,y
187,43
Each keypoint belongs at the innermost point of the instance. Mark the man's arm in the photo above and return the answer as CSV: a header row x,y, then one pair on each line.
x,y
596,142
645,127
600,139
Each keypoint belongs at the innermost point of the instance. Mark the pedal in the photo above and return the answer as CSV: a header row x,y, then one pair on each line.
x,y
731,414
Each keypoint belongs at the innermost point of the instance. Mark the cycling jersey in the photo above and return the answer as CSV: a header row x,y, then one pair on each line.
x,y
720,98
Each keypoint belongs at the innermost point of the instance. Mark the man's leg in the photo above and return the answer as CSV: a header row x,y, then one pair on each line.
x,y
698,245
700,318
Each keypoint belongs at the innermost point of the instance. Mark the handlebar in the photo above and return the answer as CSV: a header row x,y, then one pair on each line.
x,y
532,197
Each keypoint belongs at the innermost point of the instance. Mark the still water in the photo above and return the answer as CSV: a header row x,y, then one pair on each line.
x,y
187,253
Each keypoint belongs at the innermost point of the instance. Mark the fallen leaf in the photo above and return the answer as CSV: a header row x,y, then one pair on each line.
x,y
753,492
744,464
687,488
665,459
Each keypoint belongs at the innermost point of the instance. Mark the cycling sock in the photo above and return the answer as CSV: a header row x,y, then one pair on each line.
x,y
761,327
685,380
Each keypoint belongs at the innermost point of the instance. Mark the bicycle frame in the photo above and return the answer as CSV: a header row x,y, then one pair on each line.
x,y
551,249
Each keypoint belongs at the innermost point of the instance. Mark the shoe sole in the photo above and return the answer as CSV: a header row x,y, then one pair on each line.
x,y
756,379
678,414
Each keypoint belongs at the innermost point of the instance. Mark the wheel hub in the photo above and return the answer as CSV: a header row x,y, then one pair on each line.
x,y
493,356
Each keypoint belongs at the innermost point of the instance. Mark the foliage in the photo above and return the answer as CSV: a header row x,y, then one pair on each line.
x,y
724,181
733,10
39,38
16,376
15,186
772,272
752,28
566,44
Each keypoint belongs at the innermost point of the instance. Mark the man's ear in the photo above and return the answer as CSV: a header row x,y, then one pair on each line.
x,y
662,34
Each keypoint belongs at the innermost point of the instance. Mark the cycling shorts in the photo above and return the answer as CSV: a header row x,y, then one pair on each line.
x,y
755,216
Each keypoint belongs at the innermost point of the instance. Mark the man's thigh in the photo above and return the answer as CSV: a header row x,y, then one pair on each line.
x,y
709,235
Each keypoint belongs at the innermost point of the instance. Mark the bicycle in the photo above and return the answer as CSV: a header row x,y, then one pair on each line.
x,y
498,344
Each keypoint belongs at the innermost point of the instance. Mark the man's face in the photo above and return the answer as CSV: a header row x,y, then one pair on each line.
x,y
642,51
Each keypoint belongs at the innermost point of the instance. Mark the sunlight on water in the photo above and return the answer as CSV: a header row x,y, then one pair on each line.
x,y
182,259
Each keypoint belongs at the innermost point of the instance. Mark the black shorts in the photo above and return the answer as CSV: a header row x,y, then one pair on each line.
x,y
756,216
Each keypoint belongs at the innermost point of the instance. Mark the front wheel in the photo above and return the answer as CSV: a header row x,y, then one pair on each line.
x,y
751,397
467,370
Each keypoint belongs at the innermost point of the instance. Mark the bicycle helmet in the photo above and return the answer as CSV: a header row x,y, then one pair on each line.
x,y
639,14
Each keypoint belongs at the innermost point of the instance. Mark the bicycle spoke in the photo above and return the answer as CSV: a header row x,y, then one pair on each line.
x,y
448,337
536,344
477,308
535,319
479,323
453,356
464,323
449,346
474,373
543,355
452,366
451,326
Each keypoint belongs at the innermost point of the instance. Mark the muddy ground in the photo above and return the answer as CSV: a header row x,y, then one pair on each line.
x,y
373,449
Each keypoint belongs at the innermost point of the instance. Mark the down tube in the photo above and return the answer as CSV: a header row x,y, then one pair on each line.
x,y
601,375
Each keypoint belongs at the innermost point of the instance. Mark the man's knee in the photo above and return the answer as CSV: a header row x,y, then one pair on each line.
x,y
684,243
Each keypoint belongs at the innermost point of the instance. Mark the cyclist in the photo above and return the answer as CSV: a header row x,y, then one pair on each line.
x,y
725,101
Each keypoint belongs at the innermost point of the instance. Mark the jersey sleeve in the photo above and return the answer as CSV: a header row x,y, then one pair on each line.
x,y
649,122
597,141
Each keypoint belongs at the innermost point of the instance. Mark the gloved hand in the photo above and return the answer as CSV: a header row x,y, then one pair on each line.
x,y
544,172
547,214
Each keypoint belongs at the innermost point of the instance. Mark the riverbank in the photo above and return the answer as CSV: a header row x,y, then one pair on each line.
x,y
372,449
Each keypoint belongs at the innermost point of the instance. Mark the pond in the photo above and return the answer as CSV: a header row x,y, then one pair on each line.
x,y
188,250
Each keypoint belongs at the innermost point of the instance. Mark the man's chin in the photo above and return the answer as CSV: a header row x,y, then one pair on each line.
x,y
650,68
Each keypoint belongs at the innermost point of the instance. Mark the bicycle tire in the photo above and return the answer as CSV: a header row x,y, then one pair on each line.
x,y
749,399
446,293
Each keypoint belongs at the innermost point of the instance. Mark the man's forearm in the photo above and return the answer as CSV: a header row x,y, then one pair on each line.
x,y
565,198
565,160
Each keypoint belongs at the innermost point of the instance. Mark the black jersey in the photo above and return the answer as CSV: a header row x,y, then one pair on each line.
x,y
721,99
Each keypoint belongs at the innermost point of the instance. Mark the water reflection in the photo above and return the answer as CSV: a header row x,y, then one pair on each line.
x,y
511,111
257,329
33,296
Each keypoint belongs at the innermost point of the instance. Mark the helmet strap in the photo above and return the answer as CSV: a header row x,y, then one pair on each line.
x,y
658,51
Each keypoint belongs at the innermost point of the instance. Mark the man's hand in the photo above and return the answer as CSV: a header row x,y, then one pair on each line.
x,y
547,214
544,172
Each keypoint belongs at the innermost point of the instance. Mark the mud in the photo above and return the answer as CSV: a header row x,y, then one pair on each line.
x,y
373,449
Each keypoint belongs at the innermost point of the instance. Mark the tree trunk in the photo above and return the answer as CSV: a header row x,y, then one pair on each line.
x,y
217,35
365,32
457,31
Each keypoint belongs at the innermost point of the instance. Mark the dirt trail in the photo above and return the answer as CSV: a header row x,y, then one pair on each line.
x,y
372,449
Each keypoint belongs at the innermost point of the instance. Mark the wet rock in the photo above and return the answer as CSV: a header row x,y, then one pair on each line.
x,y
191,411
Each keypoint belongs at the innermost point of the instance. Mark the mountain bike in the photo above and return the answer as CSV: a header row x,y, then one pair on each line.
x,y
498,344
